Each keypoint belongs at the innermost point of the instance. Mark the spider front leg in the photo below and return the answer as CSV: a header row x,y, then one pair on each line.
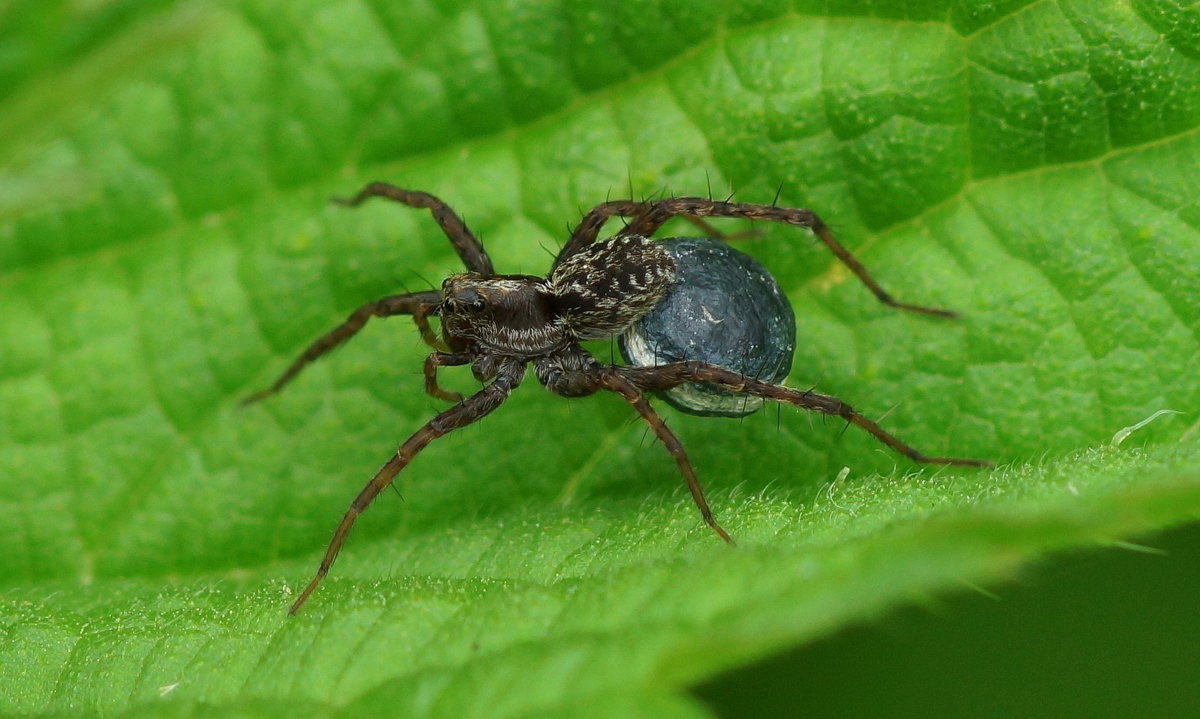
x,y
469,248
664,377
470,410
649,216
417,304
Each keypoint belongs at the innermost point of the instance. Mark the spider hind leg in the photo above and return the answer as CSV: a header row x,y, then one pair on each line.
x,y
666,376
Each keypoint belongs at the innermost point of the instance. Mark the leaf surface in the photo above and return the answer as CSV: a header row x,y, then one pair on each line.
x,y
166,247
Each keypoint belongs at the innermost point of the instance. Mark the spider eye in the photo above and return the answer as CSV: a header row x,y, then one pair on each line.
x,y
467,299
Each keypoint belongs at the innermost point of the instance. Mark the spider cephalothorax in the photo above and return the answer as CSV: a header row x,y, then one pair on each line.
x,y
509,314
597,293
499,324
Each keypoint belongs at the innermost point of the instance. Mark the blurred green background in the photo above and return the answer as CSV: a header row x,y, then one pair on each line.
x,y
1085,634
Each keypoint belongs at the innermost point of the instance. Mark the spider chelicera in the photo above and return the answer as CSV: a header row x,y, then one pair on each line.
x,y
500,324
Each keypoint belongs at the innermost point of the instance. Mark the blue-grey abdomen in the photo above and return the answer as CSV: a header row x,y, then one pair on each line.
x,y
724,308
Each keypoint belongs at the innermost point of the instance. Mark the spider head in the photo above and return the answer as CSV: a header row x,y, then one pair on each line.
x,y
464,295
504,314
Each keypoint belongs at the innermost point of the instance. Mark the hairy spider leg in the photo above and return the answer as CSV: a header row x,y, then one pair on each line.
x,y
588,229
470,410
664,377
710,231
417,304
469,248
633,395
649,216
442,359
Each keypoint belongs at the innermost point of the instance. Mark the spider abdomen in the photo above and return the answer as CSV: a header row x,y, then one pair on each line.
x,y
604,288
724,309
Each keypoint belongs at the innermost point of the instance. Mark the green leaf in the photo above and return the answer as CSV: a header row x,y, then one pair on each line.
x,y
166,247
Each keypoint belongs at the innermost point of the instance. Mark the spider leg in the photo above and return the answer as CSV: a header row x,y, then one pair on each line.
x,y
709,231
615,382
421,320
460,415
663,377
588,229
649,216
469,248
442,359
417,304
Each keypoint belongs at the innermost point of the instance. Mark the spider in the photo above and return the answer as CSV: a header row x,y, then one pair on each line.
x,y
500,324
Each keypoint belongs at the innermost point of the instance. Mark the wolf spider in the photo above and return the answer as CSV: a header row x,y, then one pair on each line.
x,y
499,324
